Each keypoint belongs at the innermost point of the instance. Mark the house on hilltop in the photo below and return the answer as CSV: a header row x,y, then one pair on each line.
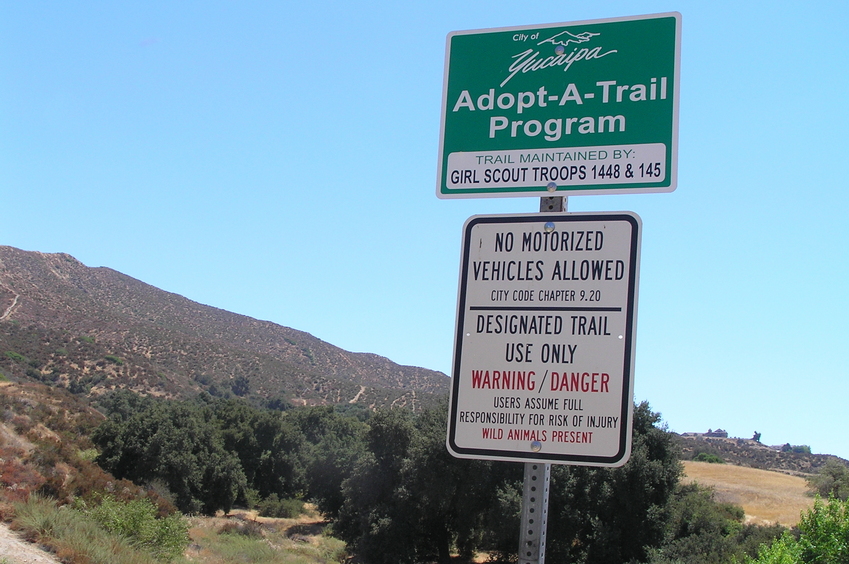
x,y
718,434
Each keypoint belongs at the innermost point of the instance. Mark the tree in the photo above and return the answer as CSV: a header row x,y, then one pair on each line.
x,y
369,518
613,515
832,480
334,442
176,444
825,532
798,449
823,538
450,498
700,530
269,447
121,404
241,385
408,500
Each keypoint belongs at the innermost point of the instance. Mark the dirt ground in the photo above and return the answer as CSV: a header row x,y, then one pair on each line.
x,y
16,550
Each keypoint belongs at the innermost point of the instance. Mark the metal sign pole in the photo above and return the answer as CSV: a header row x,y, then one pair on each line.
x,y
553,204
534,513
537,475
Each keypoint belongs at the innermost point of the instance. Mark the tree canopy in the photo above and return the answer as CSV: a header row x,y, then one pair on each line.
x,y
395,495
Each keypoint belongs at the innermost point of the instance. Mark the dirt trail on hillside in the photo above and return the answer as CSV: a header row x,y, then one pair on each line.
x,y
18,551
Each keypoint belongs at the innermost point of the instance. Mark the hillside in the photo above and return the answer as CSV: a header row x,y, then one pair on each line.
x,y
752,454
766,496
769,483
45,445
95,329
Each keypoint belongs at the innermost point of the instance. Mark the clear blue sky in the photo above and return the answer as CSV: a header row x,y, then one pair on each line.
x,y
278,160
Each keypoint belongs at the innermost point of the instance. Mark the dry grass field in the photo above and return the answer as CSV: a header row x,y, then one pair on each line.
x,y
766,497
243,536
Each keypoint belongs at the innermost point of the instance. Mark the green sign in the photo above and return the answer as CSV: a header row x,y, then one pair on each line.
x,y
577,108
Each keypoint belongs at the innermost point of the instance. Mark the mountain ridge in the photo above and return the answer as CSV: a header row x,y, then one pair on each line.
x,y
751,453
52,298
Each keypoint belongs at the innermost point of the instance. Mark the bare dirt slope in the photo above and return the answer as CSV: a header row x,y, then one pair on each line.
x,y
92,330
18,551
767,497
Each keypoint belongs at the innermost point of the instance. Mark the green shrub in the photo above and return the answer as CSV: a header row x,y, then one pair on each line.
x,y
16,356
823,538
88,454
825,532
72,536
250,497
832,480
707,457
202,379
701,530
272,506
79,387
136,521
798,449
785,550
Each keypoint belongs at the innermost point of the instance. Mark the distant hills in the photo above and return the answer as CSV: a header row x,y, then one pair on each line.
x,y
94,329
752,454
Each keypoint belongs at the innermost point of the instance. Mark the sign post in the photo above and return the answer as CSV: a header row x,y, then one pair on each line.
x,y
546,315
579,108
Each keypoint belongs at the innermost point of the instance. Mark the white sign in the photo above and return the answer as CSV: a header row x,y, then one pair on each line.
x,y
544,349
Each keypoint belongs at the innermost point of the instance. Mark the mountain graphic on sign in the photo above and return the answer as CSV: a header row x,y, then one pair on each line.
x,y
565,38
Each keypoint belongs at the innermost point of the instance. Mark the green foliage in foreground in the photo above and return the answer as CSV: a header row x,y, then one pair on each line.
x,y
613,515
136,521
823,538
408,501
700,530
114,533
212,453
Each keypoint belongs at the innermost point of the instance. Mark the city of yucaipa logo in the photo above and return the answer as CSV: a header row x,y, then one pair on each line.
x,y
530,60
